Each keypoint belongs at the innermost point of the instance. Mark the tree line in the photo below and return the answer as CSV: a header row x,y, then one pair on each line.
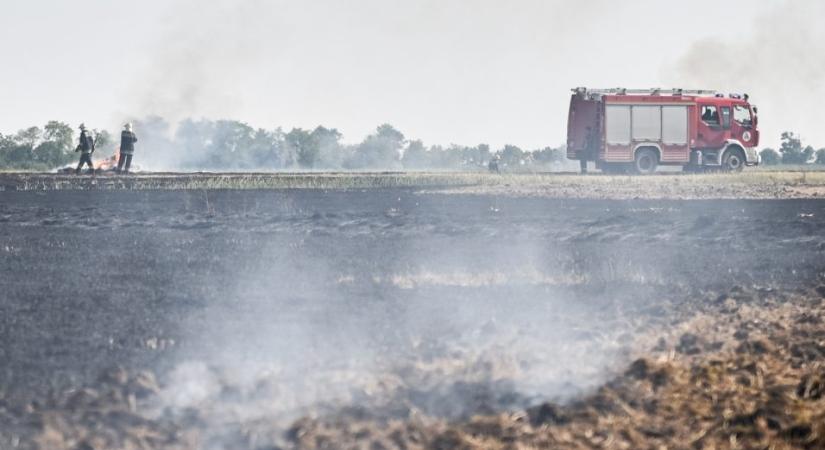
x,y
46,148
232,145
791,151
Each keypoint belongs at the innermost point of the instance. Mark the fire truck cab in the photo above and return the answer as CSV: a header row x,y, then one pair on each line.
x,y
638,130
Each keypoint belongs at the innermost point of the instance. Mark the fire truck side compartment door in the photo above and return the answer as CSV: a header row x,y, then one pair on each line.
x,y
674,125
647,123
617,124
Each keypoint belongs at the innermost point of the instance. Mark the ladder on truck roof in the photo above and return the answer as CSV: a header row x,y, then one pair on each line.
x,y
651,91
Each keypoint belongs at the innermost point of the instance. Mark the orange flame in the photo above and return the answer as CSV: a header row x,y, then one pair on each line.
x,y
109,163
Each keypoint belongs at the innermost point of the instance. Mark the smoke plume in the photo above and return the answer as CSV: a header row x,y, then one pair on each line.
x,y
779,59
201,58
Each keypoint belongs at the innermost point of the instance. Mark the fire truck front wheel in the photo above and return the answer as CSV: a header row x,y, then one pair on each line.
x,y
733,160
646,161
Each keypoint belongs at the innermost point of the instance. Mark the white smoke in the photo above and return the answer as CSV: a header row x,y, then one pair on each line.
x,y
779,59
201,58
352,65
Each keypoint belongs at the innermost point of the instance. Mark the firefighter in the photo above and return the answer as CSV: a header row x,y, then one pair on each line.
x,y
589,149
86,147
493,166
127,148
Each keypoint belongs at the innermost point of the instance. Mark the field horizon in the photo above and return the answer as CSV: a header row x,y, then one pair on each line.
x,y
742,185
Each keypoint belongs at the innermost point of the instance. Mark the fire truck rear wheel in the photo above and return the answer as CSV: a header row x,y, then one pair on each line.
x,y
733,160
646,161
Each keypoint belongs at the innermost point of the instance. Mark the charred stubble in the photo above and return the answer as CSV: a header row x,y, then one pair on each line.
x,y
474,304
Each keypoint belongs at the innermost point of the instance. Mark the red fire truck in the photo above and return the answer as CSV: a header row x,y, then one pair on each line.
x,y
640,129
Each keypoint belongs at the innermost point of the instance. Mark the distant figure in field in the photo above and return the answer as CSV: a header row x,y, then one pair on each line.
x,y
590,149
127,148
493,166
86,147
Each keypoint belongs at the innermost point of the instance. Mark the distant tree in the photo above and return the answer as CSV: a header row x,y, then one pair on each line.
x,y
266,149
381,150
434,156
770,157
453,157
512,155
820,156
548,155
6,140
50,154
56,147
809,154
473,158
792,150
300,141
59,133
459,157
29,137
327,144
6,145
415,156
18,150
230,145
483,154
206,144
388,132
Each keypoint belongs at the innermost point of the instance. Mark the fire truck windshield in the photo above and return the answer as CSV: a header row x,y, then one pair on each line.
x,y
742,115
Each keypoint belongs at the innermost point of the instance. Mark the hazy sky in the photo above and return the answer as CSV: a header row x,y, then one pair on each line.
x,y
444,71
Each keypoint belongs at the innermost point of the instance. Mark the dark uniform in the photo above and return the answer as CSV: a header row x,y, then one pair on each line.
x,y
492,166
127,149
86,148
590,149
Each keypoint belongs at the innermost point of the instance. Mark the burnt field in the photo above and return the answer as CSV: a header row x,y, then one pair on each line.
x,y
398,318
